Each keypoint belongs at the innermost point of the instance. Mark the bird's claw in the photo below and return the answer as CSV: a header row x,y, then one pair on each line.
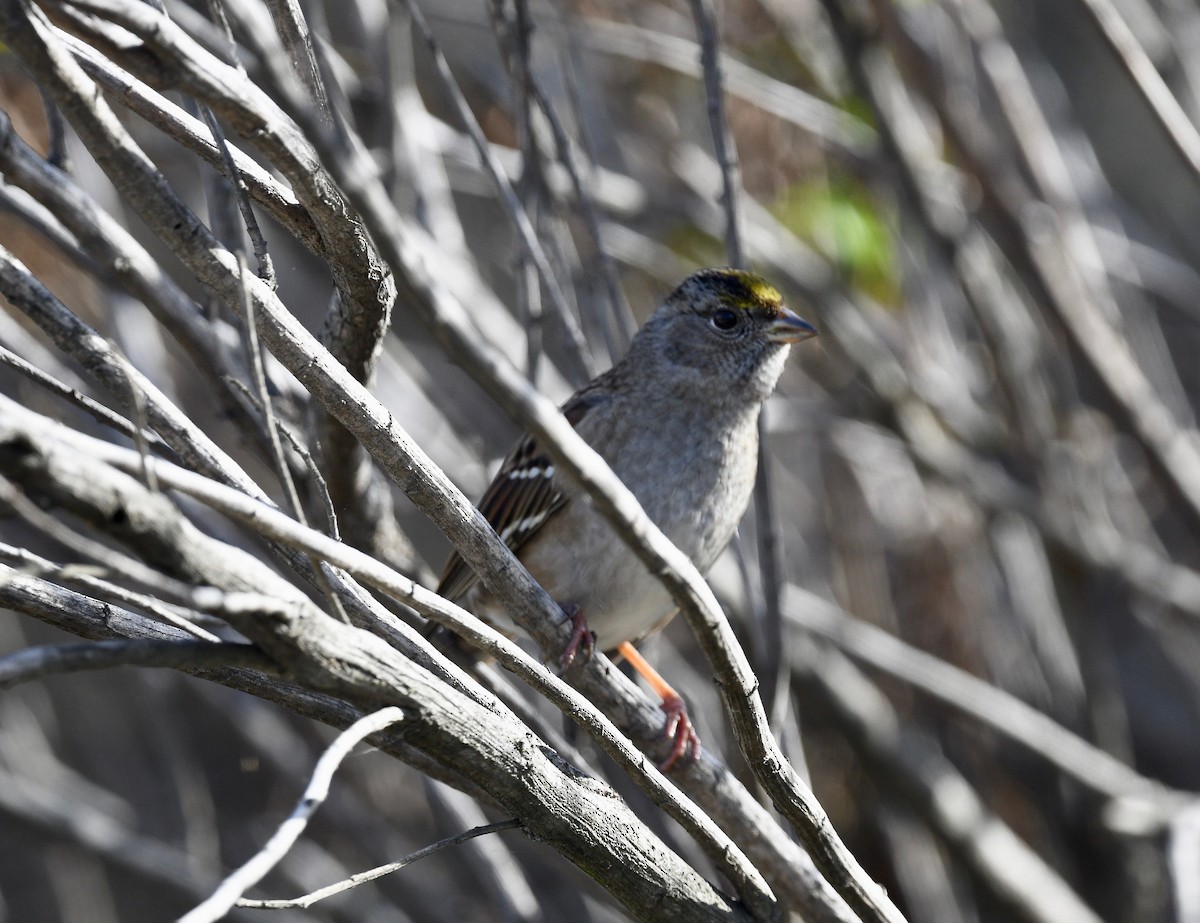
x,y
680,730
582,638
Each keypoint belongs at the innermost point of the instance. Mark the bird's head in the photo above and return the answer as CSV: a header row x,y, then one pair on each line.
x,y
724,328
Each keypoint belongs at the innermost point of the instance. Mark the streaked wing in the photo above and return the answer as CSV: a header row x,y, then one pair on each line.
x,y
523,495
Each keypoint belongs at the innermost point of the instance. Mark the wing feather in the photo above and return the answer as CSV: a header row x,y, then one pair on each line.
x,y
525,493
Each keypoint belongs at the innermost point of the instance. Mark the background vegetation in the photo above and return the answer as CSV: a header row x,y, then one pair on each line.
x,y
968,587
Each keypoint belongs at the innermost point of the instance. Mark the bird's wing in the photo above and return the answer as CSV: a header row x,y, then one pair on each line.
x,y
523,495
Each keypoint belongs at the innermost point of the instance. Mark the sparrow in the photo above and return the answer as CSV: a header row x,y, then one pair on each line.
x,y
677,421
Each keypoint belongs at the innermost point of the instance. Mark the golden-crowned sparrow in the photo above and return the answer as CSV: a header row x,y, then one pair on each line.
x,y
677,420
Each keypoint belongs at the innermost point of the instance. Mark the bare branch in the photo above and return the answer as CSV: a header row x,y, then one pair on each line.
x,y
281,528
1015,872
38,662
250,873
723,142
307,900
281,620
1000,711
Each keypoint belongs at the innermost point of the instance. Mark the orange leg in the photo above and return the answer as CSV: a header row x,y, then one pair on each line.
x,y
679,725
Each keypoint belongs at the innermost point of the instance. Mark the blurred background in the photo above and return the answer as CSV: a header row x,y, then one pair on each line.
x,y
970,582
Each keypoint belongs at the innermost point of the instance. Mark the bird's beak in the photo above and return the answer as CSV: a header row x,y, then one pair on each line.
x,y
788,327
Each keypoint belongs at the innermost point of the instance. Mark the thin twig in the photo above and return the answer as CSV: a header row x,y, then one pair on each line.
x,y
620,310
93,407
1021,879
255,360
39,662
508,197
1002,712
137,401
232,888
307,900
262,256
723,144
84,576
103,362
57,154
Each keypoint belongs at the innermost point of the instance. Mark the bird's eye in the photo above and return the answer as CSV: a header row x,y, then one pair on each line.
x,y
724,319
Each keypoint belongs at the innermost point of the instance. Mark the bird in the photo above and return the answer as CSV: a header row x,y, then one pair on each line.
x,y
677,421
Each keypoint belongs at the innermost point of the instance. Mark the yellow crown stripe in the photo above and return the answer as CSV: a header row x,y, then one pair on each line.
x,y
745,290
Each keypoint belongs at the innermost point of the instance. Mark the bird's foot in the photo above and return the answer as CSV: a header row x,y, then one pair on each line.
x,y
582,640
679,728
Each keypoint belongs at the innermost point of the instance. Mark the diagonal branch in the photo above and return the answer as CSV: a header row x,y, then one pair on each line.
x,y
38,662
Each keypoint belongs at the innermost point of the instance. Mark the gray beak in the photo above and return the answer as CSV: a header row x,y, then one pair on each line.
x,y
788,327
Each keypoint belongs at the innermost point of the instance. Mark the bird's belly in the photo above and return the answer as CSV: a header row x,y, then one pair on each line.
x,y
614,591
580,560
627,607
